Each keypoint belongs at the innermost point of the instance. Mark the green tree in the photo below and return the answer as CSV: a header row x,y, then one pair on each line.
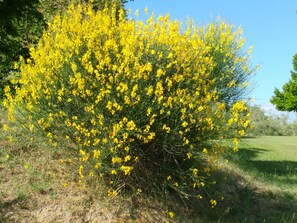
x,y
20,25
286,100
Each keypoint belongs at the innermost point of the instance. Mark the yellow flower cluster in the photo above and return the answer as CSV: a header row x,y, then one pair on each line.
x,y
132,94
213,203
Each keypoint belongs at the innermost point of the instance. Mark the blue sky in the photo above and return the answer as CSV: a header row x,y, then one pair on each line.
x,y
269,25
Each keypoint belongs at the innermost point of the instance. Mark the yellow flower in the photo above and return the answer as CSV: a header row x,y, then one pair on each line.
x,y
116,160
184,124
171,214
166,128
195,171
148,111
137,13
131,125
127,158
97,165
213,203
96,154
189,155
126,169
5,127
112,193
146,10
80,171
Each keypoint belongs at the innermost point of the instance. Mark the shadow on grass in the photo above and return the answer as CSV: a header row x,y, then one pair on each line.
x,y
279,172
277,168
242,202
247,203
242,199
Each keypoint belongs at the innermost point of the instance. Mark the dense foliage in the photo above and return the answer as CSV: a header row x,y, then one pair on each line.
x,y
20,26
286,100
131,101
269,124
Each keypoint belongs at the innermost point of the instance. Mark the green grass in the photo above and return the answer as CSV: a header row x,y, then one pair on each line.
x,y
270,159
261,181
273,148
258,185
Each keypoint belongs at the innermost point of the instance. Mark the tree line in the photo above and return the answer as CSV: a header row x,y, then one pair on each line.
x,y
263,123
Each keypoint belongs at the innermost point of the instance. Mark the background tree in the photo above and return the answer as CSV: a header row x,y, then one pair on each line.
x,y
286,100
20,25
263,123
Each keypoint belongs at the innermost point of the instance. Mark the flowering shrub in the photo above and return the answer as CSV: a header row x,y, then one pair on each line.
x,y
138,101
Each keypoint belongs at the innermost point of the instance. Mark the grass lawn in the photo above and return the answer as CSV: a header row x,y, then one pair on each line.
x,y
273,148
271,159
262,181
258,184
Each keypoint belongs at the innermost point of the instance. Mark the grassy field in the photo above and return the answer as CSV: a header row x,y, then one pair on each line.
x,y
272,160
258,184
266,168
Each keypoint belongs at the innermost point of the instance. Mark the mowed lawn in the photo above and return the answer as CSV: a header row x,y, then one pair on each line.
x,y
273,148
261,182
273,159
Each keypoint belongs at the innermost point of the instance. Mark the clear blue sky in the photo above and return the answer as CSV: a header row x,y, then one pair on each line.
x,y
269,25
